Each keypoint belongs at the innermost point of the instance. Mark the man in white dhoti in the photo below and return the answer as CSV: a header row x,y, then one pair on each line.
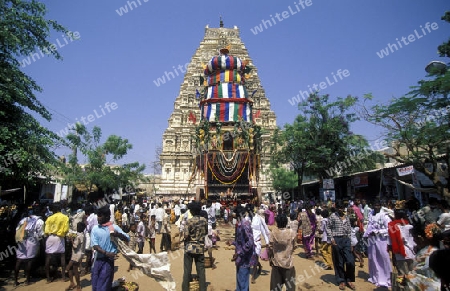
x,y
31,230
259,228
56,228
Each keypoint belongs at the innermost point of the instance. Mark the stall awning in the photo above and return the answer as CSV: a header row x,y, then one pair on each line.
x,y
9,191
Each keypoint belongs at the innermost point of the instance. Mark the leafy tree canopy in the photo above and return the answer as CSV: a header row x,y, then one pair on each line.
x,y
283,179
417,124
25,146
320,142
101,169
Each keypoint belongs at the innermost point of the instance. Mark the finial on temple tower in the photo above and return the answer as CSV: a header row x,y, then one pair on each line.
x,y
221,21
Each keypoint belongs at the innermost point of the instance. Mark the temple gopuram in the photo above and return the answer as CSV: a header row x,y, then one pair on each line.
x,y
217,143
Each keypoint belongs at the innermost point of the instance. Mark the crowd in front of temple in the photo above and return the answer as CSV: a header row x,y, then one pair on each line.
x,y
406,246
403,239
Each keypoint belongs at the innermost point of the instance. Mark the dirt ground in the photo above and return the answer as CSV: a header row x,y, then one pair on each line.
x,y
222,278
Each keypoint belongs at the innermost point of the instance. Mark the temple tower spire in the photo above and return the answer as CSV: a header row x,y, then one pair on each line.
x,y
179,175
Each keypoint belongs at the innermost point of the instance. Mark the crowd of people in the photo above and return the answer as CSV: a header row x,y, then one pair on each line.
x,y
401,238
397,239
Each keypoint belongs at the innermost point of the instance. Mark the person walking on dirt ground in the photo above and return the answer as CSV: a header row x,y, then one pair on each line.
x,y
141,233
166,239
244,256
195,230
91,221
56,229
106,249
77,253
339,231
281,249
326,247
151,234
28,243
259,228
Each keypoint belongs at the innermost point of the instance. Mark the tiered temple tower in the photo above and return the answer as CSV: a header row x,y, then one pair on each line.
x,y
182,171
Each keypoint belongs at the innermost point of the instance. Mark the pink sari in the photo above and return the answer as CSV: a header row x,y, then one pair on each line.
x,y
270,217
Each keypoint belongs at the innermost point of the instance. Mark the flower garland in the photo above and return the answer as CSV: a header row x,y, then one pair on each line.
x,y
227,168
223,179
431,230
226,158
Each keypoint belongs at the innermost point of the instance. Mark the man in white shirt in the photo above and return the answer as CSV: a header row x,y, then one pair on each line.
x,y
112,208
125,220
91,221
217,206
151,211
159,216
137,207
177,209
366,211
211,210
444,219
260,229
141,233
183,205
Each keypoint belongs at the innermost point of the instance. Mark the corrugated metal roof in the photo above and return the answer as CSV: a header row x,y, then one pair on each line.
x,y
392,165
311,182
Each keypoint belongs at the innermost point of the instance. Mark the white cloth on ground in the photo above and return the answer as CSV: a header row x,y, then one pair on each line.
x,y
156,266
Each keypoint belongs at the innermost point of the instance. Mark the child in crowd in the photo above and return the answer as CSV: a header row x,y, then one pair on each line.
x,y
133,240
78,242
401,241
293,222
215,235
166,239
354,241
152,233
318,237
181,223
326,248
141,233
226,214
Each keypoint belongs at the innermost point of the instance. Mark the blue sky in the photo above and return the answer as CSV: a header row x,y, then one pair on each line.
x,y
108,72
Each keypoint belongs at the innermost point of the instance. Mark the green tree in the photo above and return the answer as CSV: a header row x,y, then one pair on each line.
x,y
438,84
319,142
417,125
100,170
283,180
25,145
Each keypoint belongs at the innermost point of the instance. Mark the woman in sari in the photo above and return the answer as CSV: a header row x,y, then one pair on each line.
x,y
270,214
308,224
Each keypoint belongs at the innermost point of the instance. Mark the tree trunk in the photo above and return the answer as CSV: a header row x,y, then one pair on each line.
x,y
300,187
300,181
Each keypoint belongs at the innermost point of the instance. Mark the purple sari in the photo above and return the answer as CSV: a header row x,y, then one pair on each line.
x,y
308,240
